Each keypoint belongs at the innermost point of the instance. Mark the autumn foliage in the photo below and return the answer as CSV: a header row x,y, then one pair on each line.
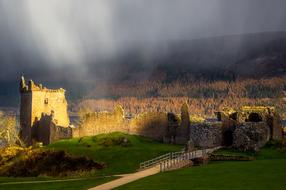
x,y
203,98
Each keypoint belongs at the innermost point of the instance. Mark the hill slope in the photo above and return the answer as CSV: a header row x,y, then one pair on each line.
x,y
226,58
119,155
218,58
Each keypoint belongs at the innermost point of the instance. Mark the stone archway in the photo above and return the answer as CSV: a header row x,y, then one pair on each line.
x,y
254,117
233,116
228,138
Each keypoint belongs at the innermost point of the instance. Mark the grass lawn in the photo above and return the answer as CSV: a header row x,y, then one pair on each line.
x,y
76,185
267,172
118,159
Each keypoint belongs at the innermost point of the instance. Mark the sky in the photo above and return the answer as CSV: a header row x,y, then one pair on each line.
x,y
60,38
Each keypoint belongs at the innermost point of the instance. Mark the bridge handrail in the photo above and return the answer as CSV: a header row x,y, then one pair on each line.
x,y
159,159
178,159
175,155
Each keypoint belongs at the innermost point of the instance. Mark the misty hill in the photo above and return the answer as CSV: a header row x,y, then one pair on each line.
x,y
225,58
220,58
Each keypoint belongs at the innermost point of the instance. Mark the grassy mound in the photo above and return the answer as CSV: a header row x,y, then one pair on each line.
x,y
106,141
121,153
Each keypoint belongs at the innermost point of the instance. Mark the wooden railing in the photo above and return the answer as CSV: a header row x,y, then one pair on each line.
x,y
175,159
155,161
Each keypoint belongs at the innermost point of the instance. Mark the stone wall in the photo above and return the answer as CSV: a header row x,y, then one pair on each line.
x,y
44,118
253,114
206,135
153,125
183,131
46,131
275,123
101,122
58,133
41,129
165,127
251,136
36,103
161,126
25,115
169,127
47,102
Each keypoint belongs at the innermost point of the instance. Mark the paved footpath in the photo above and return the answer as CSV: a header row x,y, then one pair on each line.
x,y
127,179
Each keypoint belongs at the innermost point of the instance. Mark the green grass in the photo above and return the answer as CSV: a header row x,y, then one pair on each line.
x,y
67,185
267,172
233,152
118,158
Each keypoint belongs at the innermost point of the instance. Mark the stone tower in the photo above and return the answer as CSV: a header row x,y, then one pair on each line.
x,y
37,104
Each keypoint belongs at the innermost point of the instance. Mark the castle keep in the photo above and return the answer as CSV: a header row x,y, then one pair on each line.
x,y
43,112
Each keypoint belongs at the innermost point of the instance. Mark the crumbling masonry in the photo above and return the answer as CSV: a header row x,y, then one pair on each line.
x,y
44,118
43,113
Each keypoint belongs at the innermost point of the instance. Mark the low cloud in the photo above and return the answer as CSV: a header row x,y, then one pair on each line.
x,y
47,39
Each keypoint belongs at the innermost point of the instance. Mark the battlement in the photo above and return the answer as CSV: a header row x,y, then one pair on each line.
x,y
32,86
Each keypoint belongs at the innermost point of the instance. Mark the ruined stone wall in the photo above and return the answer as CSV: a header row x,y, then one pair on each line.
x,y
37,101
174,122
151,124
59,132
183,131
25,117
101,122
275,123
48,102
206,135
254,114
44,118
251,136
164,127
41,129
46,131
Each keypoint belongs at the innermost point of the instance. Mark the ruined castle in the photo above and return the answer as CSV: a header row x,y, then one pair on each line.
x,y
44,118
43,113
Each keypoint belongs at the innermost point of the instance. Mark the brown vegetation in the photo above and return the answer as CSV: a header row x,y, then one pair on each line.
x,y
25,162
8,130
204,98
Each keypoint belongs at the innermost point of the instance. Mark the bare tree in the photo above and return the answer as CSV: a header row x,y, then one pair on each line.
x,y
9,133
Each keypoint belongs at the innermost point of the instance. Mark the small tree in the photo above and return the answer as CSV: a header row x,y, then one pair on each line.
x,y
9,133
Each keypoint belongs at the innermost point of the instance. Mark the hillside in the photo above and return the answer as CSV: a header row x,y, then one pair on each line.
x,y
234,58
218,58
121,153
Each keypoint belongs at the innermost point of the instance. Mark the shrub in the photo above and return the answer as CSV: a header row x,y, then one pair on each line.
x,y
49,163
274,144
114,141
